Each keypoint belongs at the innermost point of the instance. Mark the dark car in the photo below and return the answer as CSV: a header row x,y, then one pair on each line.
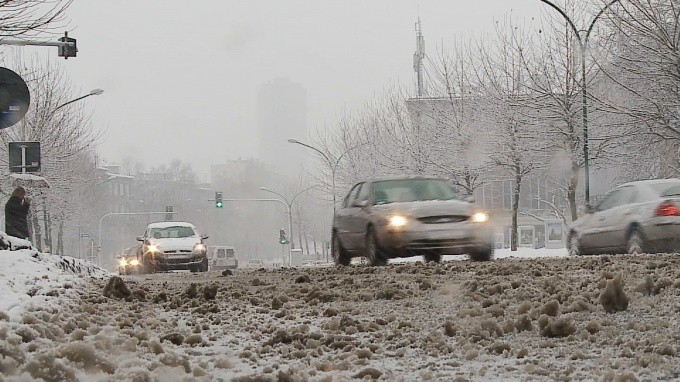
x,y
635,217
409,216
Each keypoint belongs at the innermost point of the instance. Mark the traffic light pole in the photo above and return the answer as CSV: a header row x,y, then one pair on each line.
x,y
67,45
290,219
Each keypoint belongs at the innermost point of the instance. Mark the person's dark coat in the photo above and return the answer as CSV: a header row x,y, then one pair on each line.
x,y
16,217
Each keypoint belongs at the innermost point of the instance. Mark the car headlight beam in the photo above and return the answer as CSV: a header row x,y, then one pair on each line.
x,y
480,217
397,221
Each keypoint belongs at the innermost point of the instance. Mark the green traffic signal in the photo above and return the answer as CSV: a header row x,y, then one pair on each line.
x,y
218,199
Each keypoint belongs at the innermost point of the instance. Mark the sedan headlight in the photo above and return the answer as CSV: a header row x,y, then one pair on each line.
x,y
200,248
134,262
480,217
152,248
122,262
397,221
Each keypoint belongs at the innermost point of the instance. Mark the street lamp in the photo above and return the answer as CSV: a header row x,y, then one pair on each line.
x,y
583,43
289,206
332,164
91,93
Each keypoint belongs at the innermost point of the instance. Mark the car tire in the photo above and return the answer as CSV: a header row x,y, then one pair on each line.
x,y
340,254
432,257
574,244
635,243
481,254
204,265
373,253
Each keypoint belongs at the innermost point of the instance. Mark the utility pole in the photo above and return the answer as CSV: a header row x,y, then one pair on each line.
x,y
418,58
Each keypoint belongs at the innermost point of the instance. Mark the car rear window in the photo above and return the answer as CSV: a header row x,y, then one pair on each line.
x,y
409,190
666,189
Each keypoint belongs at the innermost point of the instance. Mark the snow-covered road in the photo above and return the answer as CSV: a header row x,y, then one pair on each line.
x,y
533,314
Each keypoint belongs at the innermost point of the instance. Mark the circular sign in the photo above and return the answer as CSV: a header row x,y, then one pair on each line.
x,y
14,98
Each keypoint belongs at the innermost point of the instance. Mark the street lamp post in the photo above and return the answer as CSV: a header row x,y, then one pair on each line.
x,y
583,44
289,206
91,93
332,164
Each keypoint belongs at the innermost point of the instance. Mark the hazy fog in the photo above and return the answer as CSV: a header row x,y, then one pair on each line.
x,y
181,78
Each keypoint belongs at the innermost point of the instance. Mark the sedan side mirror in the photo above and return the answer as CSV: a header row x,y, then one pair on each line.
x,y
203,237
140,238
361,203
470,199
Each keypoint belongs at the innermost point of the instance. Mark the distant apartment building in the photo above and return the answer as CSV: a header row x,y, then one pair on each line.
x,y
281,114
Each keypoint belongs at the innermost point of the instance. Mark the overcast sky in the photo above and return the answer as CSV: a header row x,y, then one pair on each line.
x,y
180,78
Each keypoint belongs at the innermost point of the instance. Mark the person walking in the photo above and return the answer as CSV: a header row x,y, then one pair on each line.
x,y
16,214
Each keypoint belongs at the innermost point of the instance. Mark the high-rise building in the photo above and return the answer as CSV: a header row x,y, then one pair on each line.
x,y
282,114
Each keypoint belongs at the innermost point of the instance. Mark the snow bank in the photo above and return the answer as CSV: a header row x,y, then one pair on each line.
x,y
29,279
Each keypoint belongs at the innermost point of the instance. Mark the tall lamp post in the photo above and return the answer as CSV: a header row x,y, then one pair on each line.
x,y
289,205
332,164
583,44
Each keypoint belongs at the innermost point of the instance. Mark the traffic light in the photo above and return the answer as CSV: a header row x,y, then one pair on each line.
x,y
282,237
168,217
67,51
218,200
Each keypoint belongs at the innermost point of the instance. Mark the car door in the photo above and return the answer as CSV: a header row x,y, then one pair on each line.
x,y
342,220
616,220
593,230
360,215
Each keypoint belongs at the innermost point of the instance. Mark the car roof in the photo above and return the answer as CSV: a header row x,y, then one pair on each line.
x,y
170,224
402,177
649,182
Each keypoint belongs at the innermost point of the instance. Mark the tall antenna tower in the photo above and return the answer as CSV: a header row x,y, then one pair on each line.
x,y
418,57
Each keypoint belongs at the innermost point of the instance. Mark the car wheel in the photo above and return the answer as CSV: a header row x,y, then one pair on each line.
x,y
340,254
432,257
574,244
374,254
481,254
204,265
635,243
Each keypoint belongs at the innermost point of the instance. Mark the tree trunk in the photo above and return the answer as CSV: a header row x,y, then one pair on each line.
x,y
306,244
37,237
571,190
515,211
60,239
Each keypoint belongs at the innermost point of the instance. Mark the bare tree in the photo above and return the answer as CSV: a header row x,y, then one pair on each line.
x,y
514,145
645,68
27,18
66,136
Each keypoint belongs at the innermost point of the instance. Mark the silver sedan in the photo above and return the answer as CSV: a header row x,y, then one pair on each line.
x,y
635,217
408,216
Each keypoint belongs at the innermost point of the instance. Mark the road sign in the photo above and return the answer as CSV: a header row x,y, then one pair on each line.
x,y
14,98
24,156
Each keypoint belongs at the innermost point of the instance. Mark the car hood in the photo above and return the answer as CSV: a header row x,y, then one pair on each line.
x,y
176,243
419,209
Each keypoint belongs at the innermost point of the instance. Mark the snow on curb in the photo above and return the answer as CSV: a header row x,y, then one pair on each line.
x,y
30,279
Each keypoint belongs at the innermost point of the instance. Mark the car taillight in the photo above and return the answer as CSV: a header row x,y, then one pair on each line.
x,y
667,209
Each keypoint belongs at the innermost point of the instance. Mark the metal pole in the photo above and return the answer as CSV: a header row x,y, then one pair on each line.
x,y
23,159
583,42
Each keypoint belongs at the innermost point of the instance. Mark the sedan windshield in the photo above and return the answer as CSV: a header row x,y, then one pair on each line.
x,y
410,190
172,232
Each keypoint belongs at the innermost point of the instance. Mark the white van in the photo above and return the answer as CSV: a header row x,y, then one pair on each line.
x,y
222,257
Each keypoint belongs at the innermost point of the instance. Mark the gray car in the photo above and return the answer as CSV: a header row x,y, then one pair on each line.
x,y
634,217
408,216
